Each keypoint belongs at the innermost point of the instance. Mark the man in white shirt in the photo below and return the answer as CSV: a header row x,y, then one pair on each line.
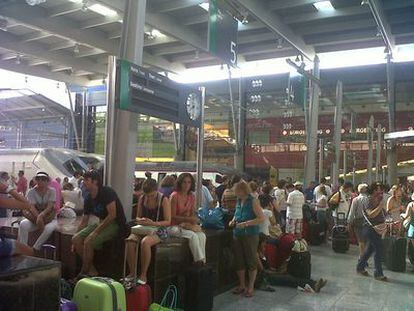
x,y
294,203
317,194
343,199
279,194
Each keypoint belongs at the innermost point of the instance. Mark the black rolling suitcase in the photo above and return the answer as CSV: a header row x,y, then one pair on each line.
x,y
411,252
316,233
395,253
340,235
199,289
299,265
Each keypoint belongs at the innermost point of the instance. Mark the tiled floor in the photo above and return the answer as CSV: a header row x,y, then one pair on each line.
x,y
345,290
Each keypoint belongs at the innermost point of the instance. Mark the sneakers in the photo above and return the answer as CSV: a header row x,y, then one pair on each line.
x,y
363,272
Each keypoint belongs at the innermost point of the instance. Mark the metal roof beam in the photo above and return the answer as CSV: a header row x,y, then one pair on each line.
x,y
288,4
37,17
275,24
44,73
37,35
37,62
173,5
383,25
11,42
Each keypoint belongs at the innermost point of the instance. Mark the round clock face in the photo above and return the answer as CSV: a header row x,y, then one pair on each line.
x,y
193,106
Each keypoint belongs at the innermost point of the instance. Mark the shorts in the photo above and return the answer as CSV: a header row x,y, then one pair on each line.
x,y
294,226
7,247
410,233
109,233
245,252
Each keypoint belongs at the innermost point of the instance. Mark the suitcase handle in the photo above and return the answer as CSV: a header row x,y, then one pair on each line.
x,y
47,247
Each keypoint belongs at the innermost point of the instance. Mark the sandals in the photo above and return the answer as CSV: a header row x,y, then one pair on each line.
x,y
248,294
238,291
320,284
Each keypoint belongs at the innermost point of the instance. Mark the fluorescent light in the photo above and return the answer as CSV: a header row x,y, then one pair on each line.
x,y
324,6
205,5
103,10
156,33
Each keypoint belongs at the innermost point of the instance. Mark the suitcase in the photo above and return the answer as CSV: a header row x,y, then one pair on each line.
x,y
316,233
99,294
286,242
396,253
340,235
299,265
411,252
199,289
67,305
340,239
138,297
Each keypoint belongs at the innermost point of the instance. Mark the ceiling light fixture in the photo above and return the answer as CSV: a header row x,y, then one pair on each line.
x,y
324,6
245,21
156,33
3,24
364,2
297,60
102,10
18,59
84,6
76,48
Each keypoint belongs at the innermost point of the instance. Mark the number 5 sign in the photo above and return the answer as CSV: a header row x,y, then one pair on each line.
x,y
222,33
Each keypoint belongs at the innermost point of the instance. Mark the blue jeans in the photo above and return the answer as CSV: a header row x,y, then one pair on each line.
x,y
374,246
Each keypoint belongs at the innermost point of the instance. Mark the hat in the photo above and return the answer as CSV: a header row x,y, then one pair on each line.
x,y
362,187
298,184
41,174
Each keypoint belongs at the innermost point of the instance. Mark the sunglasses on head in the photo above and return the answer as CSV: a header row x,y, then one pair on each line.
x,y
41,178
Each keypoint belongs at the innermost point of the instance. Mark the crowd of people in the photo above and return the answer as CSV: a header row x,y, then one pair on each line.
x,y
258,213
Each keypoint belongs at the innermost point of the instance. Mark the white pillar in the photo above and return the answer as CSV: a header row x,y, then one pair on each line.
x,y
121,133
337,133
310,160
370,135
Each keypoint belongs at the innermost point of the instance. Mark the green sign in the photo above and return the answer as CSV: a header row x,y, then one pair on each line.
x,y
222,33
297,89
143,91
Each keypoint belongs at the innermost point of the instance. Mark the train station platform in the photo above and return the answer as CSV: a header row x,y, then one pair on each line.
x,y
345,289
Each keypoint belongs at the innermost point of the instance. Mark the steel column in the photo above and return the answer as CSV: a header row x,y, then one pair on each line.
x,y
321,150
337,132
121,131
370,138
200,150
378,156
392,150
310,160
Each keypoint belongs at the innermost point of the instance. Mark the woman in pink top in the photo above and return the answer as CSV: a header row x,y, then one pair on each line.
x,y
184,218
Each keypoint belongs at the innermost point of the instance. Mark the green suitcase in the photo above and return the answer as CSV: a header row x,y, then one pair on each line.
x,y
99,294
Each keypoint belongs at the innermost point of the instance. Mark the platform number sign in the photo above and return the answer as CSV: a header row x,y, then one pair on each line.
x,y
222,33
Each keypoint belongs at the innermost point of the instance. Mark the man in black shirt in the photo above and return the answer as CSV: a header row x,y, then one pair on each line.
x,y
104,203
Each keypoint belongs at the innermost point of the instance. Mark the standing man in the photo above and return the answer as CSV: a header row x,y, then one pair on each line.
x,y
104,203
42,216
342,200
294,203
279,192
21,183
316,192
309,191
356,216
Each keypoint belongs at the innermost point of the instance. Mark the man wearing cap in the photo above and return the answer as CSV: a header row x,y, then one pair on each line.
x,y
9,247
294,215
42,216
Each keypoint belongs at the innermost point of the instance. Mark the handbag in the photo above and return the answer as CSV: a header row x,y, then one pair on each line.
x,y
164,306
211,218
380,229
148,230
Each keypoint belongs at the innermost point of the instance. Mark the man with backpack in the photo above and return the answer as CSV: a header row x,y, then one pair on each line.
x,y
340,201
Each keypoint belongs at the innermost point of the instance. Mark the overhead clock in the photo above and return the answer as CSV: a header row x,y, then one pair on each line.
x,y
193,105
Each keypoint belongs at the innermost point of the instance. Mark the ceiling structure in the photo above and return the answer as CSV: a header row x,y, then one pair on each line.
x,y
70,40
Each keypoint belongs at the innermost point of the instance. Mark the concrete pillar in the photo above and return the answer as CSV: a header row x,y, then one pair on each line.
x,y
337,132
241,127
391,151
378,176
121,133
321,151
310,160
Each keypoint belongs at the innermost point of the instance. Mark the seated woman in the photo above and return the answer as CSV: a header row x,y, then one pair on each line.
x,y
184,218
269,277
271,211
153,210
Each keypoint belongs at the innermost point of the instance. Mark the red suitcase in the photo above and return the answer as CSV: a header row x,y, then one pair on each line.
x,y
138,297
270,253
286,242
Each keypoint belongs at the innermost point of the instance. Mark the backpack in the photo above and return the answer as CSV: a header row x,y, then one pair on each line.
x,y
333,205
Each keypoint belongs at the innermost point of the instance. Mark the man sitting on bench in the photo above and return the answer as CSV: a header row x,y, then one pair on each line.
x,y
104,203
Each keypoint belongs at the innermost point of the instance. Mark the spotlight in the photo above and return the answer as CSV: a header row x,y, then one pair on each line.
x,y
18,59
280,43
245,21
297,59
84,5
364,2
76,48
